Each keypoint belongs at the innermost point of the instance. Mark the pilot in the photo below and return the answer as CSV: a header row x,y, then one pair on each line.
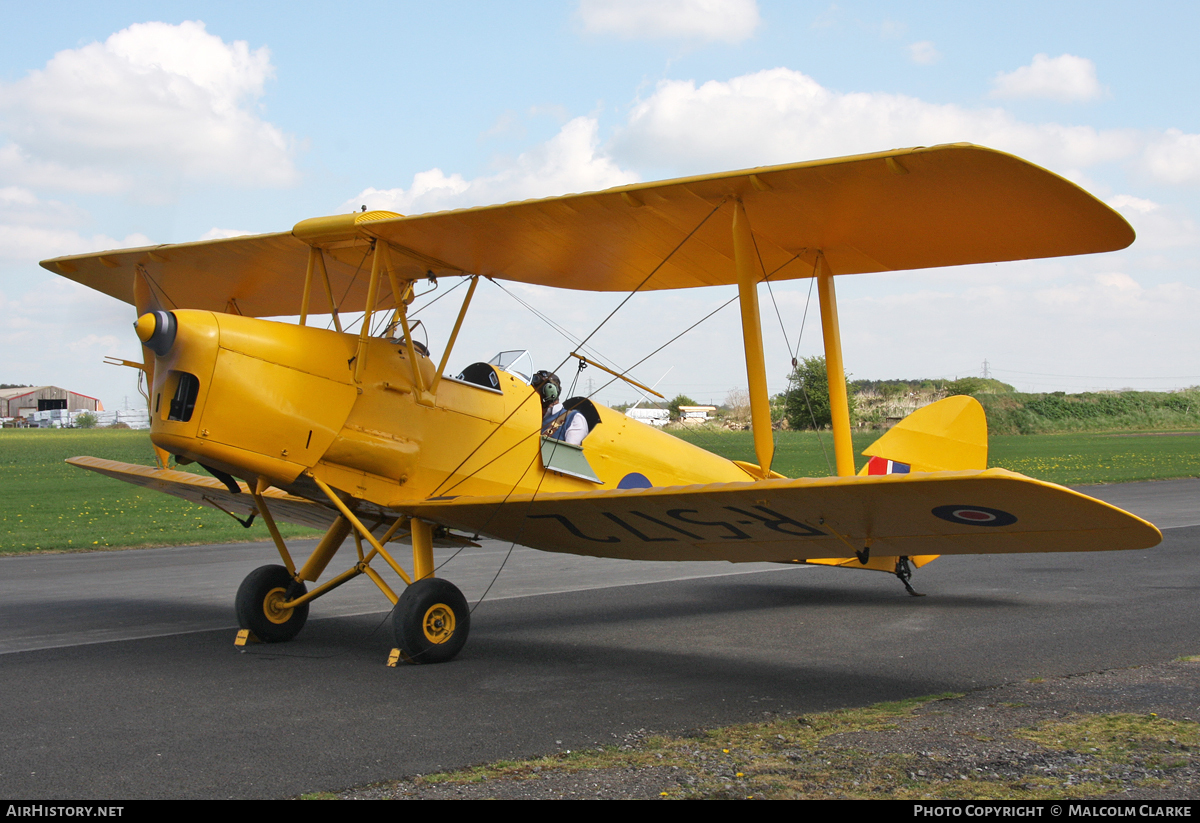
x,y
558,423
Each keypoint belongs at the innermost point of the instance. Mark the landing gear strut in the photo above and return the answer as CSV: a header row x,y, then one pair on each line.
x,y
430,619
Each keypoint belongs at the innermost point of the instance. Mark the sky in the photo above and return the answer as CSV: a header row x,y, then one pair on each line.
x,y
125,124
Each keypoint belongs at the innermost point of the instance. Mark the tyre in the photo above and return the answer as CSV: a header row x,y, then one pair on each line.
x,y
431,621
258,600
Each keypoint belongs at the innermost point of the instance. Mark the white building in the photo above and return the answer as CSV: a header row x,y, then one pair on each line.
x,y
653,417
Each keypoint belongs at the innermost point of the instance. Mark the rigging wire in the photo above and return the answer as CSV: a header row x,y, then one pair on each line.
x,y
562,331
669,342
545,318
465,278
694,325
155,283
628,297
520,530
653,272
795,353
357,269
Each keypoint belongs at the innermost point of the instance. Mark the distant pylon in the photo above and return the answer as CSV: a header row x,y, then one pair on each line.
x,y
986,372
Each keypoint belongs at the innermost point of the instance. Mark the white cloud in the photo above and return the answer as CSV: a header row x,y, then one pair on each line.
x,y
20,206
33,229
1174,157
220,234
1157,226
923,52
1127,202
89,344
1065,78
32,243
730,20
153,101
57,333
780,115
17,166
1104,325
568,162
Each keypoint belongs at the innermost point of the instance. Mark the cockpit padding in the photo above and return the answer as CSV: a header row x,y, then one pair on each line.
x,y
585,407
481,374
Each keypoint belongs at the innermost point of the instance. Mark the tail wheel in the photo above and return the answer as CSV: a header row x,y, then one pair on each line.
x,y
259,608
431,621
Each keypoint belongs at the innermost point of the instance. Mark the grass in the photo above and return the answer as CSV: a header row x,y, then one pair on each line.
x,y
46,505
868,754
1069,459
1148,740
1018,413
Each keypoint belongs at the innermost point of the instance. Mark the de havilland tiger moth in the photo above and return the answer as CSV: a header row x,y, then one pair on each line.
x,y
366,434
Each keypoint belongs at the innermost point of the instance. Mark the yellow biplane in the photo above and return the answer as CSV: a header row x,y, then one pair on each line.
x,y
368,435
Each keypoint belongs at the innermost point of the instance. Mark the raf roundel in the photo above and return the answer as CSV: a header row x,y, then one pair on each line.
x,y
975,515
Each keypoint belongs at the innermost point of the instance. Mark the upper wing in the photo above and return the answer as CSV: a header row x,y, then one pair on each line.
x,y
969,512
895,210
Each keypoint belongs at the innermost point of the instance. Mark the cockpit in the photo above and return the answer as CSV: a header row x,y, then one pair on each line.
x,y
517,362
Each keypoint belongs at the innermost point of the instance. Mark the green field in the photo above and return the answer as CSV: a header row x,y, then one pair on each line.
x,y
46,505
1069,459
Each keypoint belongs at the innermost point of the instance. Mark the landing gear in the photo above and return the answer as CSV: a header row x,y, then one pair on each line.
x,y
258,604
431,621
904,572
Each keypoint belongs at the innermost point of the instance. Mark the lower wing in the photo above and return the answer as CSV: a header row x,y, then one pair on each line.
x,y
208,491
964,512
967,512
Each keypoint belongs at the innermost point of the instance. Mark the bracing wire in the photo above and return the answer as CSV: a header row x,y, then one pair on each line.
x,y
653,272
583,343
794,353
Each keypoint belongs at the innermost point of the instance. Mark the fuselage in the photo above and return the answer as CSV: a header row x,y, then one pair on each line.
x,y
259,399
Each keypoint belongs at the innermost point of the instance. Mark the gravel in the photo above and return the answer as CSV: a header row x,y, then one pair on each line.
x,y
961,746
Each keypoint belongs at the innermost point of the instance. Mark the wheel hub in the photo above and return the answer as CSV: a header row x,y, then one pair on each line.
x,y
272,606
438,623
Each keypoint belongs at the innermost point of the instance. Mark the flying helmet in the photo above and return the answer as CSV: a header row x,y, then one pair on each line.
x,y
548,386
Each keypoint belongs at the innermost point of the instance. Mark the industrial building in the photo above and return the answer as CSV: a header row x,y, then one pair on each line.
x,y
25,400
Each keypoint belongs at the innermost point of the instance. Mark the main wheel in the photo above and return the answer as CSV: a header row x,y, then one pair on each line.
x,y
258,608
431,621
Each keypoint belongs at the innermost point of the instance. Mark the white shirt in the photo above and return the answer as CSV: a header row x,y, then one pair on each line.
x,y
576,428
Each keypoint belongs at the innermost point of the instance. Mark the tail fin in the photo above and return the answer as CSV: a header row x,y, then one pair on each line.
x,y
949,435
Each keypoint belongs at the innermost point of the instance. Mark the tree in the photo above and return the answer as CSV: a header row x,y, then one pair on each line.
x,y
87,420
680,400
738,402
976,385
807,398
965,385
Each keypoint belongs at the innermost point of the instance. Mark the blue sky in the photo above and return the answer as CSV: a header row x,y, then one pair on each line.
x,y
125,124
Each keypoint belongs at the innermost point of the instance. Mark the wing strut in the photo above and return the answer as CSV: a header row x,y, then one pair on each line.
x,y
839,406
744,259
